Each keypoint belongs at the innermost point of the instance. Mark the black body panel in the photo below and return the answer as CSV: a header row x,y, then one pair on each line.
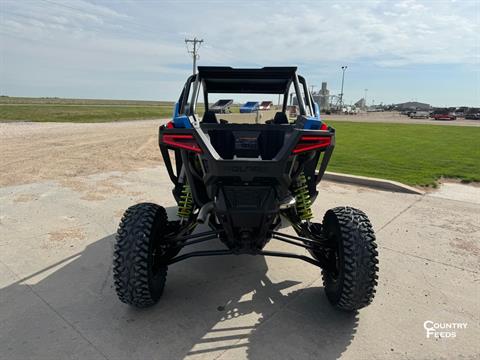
x,y
267,80
246,171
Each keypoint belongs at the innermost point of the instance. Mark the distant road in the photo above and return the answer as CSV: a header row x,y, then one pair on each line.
x,y
395,117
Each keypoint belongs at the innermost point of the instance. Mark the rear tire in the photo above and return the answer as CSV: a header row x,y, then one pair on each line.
x,y
351,286
139,270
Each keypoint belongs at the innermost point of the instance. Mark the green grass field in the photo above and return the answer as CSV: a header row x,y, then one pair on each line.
x,y
409,153
80,110
82,113
66,101
84,110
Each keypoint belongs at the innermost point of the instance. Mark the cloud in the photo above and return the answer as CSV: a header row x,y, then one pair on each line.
x,y
317,32
55,40
405,33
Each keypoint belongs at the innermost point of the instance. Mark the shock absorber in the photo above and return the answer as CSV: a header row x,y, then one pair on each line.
x,y
302,197
185,205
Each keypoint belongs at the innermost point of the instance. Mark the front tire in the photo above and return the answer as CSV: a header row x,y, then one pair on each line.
x,y
351,286
139,270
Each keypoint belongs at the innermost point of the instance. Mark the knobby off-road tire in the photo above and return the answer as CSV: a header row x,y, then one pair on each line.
x,y
352,285
139,274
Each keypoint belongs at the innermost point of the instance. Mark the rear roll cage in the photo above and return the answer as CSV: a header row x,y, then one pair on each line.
x,y
193,83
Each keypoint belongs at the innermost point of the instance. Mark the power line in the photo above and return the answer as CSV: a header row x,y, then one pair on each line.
x,y
194,51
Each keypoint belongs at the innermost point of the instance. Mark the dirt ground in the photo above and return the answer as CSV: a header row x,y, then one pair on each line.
x,y
33,152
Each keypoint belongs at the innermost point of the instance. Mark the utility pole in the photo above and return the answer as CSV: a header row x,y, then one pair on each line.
x,y
343,79
311,88
365,98
196,45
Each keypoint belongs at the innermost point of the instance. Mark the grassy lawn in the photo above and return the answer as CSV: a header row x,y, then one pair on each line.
x,y
409,153
66,101
85,110
81,113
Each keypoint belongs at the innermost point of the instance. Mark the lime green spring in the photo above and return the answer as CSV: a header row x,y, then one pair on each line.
x,y
185,205
302,196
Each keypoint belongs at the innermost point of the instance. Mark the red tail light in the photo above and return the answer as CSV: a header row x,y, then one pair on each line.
x,y
182,141
311,142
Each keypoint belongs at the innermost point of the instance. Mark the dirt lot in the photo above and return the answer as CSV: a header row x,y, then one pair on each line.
x,y
33,152
59,209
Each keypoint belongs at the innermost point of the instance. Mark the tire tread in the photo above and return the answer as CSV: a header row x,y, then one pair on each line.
x,y
360,259
131,254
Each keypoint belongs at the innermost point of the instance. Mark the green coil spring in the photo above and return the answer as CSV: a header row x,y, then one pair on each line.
x,y
185,205
302,196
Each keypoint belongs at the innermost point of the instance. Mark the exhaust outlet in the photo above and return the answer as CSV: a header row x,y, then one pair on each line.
x,y
204,213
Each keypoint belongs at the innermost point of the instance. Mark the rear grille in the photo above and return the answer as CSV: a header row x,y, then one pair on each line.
x,y
252,197
247,144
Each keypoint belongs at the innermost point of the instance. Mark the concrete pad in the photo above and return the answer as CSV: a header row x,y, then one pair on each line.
x,y
380,206
234,307
7,277
438,230
459,192
42,223
31,329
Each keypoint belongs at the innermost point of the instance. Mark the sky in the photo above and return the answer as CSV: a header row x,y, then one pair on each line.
x,y
427,51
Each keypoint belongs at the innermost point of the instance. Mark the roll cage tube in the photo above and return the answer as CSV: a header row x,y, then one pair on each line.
x,y
285,97
301,103
308,96
184,95
205,96
193,100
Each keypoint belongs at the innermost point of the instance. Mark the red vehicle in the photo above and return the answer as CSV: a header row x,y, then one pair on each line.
x,y
443,114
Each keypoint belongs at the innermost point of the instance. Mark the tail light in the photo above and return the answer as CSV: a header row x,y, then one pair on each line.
x,y
311,142
182,141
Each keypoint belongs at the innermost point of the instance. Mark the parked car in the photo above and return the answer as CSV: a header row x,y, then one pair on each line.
x,y
350,110
461,111
443,114
473,114
419,115
406,112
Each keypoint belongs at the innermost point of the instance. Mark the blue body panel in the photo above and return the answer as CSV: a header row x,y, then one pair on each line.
x,y
180,121
314,122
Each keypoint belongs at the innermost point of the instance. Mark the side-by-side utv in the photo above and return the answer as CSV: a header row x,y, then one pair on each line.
x,y
241,180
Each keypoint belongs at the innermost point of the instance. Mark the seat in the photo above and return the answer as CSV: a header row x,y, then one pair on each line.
x,y
280,118
209,118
